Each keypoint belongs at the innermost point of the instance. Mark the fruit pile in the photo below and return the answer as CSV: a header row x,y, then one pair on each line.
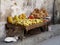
x,y
27,22
37,16
22,20
38,13
16,18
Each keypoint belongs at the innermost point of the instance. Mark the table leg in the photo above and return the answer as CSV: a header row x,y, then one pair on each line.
x,y
44,28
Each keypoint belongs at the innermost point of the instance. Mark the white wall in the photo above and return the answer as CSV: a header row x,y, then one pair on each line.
x,y
8,8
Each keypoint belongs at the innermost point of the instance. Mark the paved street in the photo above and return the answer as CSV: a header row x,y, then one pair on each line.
x,y
53,41
46,38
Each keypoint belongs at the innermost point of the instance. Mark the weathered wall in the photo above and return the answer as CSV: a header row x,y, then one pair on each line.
x,y
58,4
48,4
7,4
57,8
6,10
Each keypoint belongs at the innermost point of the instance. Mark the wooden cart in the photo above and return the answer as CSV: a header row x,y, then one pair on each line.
x,y
19,30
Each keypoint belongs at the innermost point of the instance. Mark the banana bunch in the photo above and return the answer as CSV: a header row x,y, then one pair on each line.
x,y
39,20
22,16
27,22
16,18
22,20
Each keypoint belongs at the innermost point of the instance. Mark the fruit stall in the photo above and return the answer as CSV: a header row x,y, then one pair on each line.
x,y
21,25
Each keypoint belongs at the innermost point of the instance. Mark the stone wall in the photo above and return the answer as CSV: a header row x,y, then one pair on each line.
x,y
57,4
7,4
57,11
48,4
6,10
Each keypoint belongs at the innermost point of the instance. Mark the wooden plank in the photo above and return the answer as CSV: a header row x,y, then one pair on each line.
x,y
34,26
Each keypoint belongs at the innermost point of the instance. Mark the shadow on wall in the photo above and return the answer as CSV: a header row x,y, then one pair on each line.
x,y
56,12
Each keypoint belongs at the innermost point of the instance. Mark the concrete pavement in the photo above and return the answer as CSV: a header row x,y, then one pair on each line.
x,y
52,41
51,37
